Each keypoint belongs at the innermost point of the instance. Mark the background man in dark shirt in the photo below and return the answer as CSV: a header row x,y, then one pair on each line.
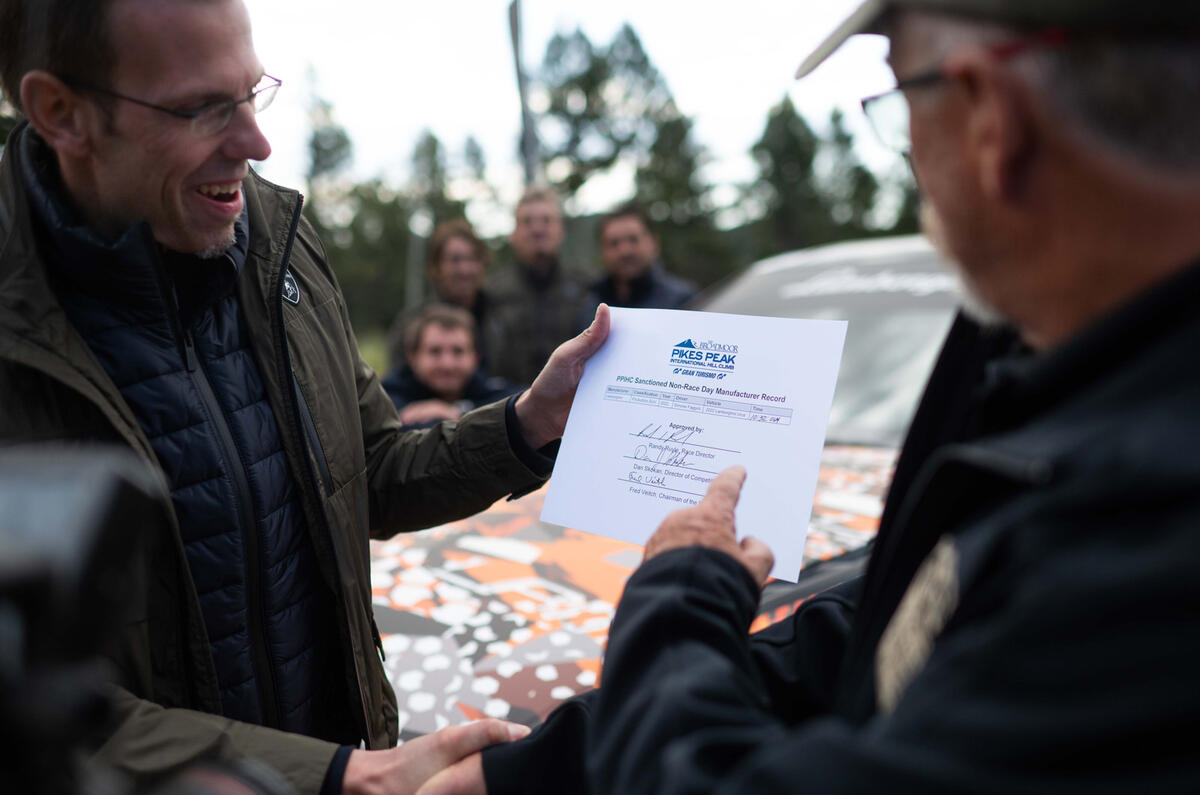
x,y
537,297
636,277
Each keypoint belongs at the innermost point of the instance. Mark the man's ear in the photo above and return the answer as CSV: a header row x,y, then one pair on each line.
x,y
58,113
999,129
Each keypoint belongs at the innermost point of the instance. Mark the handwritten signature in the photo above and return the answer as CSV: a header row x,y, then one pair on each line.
x,y
667,454
658,432
648,480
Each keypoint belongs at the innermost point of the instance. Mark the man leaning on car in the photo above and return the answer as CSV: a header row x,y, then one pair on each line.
x,y
1030,618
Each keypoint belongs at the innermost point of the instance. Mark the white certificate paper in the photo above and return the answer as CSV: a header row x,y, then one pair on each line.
x,y
674,397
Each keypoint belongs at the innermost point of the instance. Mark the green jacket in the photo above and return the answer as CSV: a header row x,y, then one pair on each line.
x,y
359,474
532,315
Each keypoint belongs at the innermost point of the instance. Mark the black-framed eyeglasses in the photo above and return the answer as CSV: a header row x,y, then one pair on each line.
x,y
208,119
888,112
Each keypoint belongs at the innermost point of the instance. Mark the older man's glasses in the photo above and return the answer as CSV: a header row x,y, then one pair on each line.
x,y
888,112
208,119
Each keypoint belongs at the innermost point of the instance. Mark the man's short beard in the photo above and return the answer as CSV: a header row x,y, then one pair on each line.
x,y
974,305
218,247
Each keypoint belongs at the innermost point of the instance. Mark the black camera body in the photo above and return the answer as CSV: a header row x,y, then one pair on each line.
x,y
69,522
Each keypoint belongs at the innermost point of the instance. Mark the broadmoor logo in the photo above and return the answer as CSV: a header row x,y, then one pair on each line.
x,y
706,355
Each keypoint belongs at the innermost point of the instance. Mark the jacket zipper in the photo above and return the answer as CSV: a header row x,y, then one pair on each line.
x,y
310,430
286,373
256,631
314,441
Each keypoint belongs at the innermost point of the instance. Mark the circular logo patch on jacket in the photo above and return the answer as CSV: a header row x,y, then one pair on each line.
x,y
908,640
291,290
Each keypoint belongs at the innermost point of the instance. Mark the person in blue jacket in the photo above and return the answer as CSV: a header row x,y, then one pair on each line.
x,y
442,378
635,276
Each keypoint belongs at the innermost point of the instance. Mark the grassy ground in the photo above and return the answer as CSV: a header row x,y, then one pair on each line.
x,y
372,344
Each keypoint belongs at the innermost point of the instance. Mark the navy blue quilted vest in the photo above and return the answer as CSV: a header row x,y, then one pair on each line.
x,y
169,331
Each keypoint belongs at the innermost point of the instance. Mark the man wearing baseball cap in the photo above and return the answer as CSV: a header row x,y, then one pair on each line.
x,y
1030,618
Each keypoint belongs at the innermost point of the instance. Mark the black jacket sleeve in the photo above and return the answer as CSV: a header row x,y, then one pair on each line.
x,y
1068,671
797,661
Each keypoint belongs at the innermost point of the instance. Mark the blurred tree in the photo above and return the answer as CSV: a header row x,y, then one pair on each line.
x,y
814,190
606,105
850,189
364,227
908,220
8,119
669,186
475,160
330,149
429,177
367,241
601,103
796,211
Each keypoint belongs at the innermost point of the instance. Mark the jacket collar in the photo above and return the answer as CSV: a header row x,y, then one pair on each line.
x,y
639,288
1020,386
34,330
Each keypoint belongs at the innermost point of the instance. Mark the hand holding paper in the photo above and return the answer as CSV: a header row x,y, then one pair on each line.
x,y
675,397
542,409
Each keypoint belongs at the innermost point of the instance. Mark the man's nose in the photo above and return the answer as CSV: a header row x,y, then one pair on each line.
x,y
244,140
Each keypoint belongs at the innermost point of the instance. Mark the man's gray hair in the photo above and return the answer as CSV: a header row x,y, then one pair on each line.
x,y
1138,95
1142,96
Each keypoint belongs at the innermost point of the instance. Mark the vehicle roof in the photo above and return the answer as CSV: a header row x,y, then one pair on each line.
x,y
867,251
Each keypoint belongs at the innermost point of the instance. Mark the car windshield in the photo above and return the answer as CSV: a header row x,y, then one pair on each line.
x,y
898,301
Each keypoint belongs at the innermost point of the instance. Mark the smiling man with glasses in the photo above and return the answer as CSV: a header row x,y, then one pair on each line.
x,y
155,293
1029,620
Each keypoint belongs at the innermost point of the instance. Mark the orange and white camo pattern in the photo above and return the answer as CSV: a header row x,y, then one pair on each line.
x,y
502,615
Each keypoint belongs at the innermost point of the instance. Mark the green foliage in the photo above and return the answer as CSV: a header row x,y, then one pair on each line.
x,y
796,213
368,240
850,189
602,103
475,160
8,119
669,186
608,104
364,226
907,219
428,186
329,147
815,190
604,106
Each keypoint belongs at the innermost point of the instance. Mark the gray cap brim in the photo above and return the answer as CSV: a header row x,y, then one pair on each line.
x,y
1178,18
863,20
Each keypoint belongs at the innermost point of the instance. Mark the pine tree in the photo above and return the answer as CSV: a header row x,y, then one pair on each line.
x,y
851,188
670,188
796,211
602,104
429,178
8,119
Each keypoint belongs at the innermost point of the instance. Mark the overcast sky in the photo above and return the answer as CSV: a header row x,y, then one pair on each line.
x,y
394,67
